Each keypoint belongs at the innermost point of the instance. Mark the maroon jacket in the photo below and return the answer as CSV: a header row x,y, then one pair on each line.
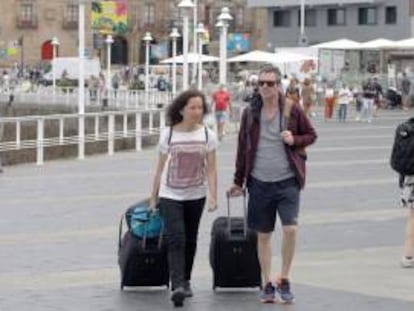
x,y
303,132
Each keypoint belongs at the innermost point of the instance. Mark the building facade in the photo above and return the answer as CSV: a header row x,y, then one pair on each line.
x,y
28,26
327,20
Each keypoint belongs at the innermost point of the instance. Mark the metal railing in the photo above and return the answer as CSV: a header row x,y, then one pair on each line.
x,y
120,99
109,132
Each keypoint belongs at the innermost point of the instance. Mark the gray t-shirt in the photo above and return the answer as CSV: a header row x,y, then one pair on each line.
x,y
271,163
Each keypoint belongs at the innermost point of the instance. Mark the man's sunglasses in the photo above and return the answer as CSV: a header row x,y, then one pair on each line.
x,y
269,83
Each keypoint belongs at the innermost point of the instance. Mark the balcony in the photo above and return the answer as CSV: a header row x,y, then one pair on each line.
x,y
246,27
144,26
285,3
26,22
69,24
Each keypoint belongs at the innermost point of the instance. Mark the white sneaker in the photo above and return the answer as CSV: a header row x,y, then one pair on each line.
x,y
407,262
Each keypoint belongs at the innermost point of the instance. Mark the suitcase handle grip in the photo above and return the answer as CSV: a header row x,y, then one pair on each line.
x,y
160,238
229,196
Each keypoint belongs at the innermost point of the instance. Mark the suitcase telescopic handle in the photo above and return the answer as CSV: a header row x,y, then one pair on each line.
x,y
120,232
160,237
229,196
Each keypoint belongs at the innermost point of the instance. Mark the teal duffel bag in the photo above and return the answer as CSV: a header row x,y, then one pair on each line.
x,y
142,222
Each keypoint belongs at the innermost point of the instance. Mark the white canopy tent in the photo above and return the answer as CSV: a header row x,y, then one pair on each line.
x,y
268,57
405,44
291,57
192,58
378,44
254,56
340,44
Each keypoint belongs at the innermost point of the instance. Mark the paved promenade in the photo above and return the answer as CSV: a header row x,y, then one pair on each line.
x,y
59,222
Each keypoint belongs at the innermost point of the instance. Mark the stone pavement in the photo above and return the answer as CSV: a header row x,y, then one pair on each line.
x,y
58,230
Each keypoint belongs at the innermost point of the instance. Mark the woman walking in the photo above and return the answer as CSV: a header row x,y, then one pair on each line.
x,y
186,168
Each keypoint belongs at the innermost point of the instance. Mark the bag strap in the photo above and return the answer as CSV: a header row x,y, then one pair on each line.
x,y
287,109
170,135
171,132
206,133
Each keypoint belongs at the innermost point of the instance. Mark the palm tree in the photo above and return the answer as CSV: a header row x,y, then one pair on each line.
x,y
96,6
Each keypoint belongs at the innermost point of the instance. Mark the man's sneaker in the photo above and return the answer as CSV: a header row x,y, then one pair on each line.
x,y
407,262
178,297
187,289
283,291
268,294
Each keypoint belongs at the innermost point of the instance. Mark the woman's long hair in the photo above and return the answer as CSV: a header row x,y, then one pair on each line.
x,y
174,115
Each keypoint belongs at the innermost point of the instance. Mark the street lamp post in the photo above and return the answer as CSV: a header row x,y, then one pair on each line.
x,y
185,5
147,39
174,35
200,32
81,79
109,40
55,44
223,22
195,37
303,40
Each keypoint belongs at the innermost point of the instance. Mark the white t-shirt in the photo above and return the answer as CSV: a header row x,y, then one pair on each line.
x,y
184,176
345,96
329,92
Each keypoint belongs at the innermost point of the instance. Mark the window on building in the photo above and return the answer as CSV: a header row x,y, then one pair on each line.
x,y
310,17
367,16
281,18
336,17
26,10
207,14
149,16
71,14
239,16
391,15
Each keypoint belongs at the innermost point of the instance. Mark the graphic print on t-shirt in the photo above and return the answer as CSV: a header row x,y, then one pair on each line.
x,y
187,164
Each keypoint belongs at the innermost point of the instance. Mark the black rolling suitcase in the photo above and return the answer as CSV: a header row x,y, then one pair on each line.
x,y
142,261
233,252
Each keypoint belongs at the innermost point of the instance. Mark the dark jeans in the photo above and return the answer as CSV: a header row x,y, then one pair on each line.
x,y
182,219
342,112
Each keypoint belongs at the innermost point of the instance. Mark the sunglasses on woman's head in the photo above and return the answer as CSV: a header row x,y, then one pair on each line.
x,y
269,83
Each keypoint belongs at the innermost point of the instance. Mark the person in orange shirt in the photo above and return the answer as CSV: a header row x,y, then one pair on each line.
x,y
222,107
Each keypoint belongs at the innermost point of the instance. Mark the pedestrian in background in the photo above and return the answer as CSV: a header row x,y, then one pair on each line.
x,y
307,94
344,98
405,91
368,97
222,109
407,200
329,102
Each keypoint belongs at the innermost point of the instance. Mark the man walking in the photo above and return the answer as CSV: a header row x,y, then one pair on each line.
x,y
368,94
271,162
405,91
222,107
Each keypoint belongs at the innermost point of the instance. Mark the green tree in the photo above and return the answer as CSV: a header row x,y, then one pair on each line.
x,y
97,6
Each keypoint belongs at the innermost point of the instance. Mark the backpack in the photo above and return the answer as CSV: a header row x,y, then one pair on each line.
x,y
402,155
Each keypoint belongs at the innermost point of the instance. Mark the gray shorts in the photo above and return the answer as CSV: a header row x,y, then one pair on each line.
x,y
266,199
221,116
